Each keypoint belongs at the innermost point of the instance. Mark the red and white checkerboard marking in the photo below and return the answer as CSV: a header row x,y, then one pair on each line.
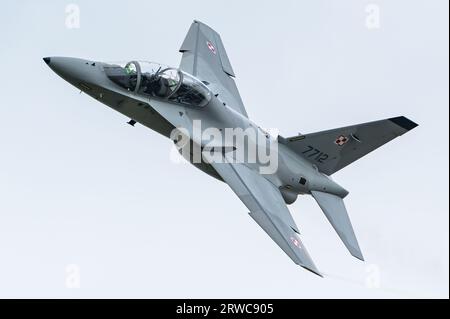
x,y
341,140
296,242
211,47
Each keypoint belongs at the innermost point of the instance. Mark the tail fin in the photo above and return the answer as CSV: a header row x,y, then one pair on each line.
x,y
332,150
334,209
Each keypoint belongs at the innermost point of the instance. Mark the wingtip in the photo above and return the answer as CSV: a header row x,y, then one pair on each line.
x,y
355,250
202,23
404,122
313,270
358,256
309,265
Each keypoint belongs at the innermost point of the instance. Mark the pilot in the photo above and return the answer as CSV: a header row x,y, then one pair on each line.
x,y
161,87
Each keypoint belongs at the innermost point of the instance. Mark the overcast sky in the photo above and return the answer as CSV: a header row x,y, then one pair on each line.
x,y
92,207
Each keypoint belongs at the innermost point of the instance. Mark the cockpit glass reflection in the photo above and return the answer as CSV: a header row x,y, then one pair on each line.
x,y
126,76
161,84
191,92
155,80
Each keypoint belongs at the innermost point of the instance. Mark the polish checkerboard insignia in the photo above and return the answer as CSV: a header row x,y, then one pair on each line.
x,y
211,47
296,242
341,140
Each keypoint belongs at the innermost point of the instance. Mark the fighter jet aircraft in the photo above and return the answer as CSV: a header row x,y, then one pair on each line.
x,y
202,90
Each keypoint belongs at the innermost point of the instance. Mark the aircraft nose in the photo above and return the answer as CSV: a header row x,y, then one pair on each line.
x,y
68,68
74,70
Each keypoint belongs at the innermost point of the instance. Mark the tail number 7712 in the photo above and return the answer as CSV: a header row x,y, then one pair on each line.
x,y
315,154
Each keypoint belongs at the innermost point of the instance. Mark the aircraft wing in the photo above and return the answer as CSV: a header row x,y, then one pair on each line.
x,y
267,208
262,198
204,57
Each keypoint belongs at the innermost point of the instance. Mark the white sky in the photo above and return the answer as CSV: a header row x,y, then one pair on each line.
x,y
79,186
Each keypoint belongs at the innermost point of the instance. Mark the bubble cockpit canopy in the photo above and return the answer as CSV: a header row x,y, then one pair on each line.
x,y
159,81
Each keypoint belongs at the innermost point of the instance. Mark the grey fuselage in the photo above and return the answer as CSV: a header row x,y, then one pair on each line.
x,y
294,175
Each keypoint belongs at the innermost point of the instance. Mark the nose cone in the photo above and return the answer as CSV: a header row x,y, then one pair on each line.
x,y
68,68
76,71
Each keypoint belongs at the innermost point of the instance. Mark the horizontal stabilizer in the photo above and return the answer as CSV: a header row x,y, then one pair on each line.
x,y
334,209
333,150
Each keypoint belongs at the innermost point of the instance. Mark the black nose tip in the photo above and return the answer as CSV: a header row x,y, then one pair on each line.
x,y
47,60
